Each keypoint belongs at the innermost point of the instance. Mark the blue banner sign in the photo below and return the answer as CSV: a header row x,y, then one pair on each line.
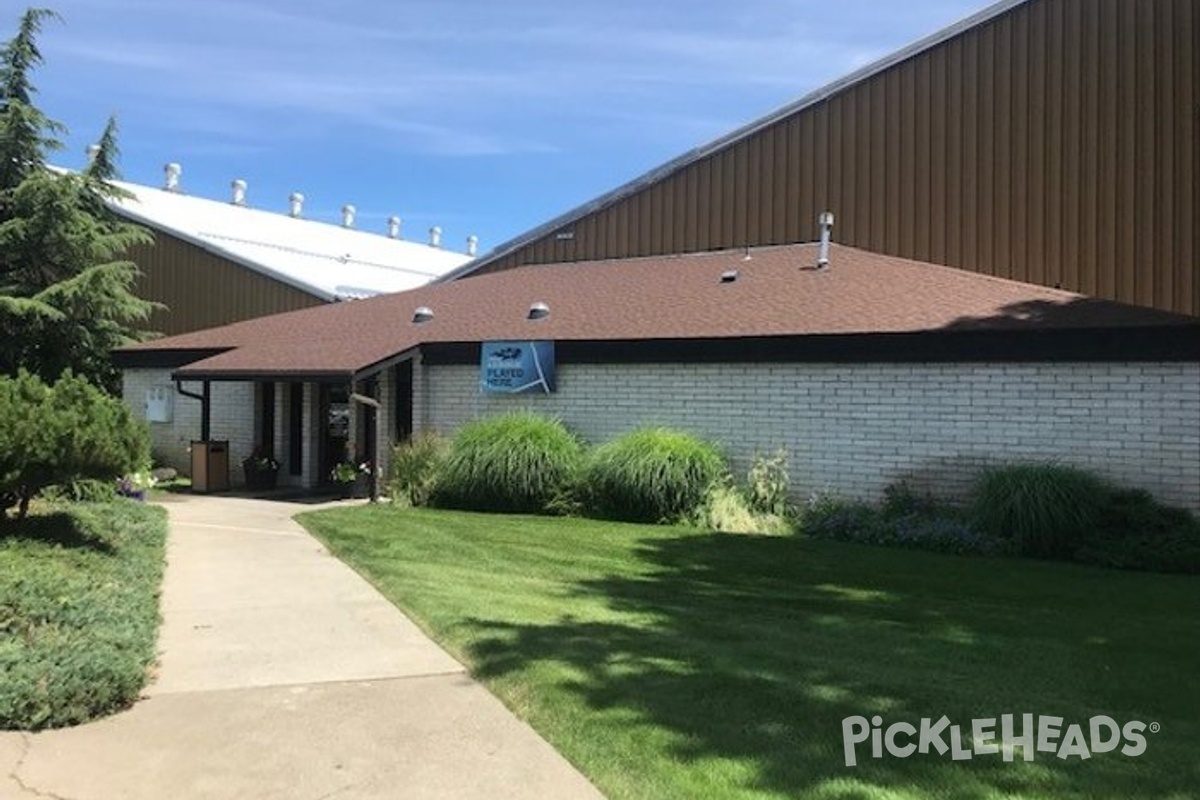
x,y
517,367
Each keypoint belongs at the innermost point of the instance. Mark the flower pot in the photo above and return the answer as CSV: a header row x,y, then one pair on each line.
x,y
257,479
356,489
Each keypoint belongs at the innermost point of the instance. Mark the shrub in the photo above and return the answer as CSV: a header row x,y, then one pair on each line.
x,y
1135,531
519,462
650,475
79,611
901,500
84,490
767,484
1043,510
62,433
727,510
415,467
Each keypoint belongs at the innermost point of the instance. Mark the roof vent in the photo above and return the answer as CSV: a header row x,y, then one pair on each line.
x,y
239,192
295,205
393,227
173,171
472,245
538,310
826,223
422,314
93,151
435,236
729,276
348,212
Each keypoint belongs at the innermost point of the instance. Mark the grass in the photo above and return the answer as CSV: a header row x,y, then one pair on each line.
x,y
79,615
666,662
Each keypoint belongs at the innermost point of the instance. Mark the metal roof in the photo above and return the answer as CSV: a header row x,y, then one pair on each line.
x,y
811,99
325,260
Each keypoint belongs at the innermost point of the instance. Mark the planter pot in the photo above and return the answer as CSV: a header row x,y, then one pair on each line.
x,y
258,479
356,489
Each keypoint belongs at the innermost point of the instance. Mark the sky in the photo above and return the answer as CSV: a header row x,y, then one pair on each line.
x,y
481,118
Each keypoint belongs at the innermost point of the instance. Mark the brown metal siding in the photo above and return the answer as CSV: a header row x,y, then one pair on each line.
x,y
1055,144
202,290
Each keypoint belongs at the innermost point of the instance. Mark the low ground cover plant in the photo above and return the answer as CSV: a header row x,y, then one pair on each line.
x,y
650,475
519,462
79,587
904,519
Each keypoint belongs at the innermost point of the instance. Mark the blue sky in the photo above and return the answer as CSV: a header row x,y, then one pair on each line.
x,y
483,118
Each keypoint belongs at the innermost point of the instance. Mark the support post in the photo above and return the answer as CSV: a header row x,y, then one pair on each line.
x,y
374,405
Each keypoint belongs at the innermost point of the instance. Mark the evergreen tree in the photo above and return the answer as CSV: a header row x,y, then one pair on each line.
x,y
65,296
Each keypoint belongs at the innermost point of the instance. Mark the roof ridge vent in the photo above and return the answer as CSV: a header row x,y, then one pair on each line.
x,y
239,192
295,205
394,224
172,172
348,212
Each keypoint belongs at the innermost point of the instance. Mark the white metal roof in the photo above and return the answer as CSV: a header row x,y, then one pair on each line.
x,y
326,260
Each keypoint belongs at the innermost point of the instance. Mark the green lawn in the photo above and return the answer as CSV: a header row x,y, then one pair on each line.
x,y
671,663
79,586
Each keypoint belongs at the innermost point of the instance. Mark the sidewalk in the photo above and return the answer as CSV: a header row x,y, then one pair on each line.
x,y
285,675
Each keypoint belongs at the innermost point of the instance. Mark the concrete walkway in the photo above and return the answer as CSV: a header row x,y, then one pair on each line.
x,y
285,675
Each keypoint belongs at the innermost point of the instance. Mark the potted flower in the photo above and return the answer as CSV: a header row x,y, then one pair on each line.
x,y
135,485
351,478
261,470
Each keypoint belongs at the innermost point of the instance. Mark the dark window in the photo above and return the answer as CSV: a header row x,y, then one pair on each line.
x,y
404,401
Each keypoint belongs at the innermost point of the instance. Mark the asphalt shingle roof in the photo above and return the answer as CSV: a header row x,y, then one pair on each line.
x,y
778,292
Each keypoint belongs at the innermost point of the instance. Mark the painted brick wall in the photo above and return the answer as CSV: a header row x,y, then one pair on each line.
x,y
232,418
853,429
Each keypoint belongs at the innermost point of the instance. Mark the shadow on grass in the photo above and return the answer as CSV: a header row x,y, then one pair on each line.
x,y
753,650
56,528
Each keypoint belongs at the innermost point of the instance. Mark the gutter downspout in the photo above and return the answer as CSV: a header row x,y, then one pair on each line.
x,y
205,406
374,404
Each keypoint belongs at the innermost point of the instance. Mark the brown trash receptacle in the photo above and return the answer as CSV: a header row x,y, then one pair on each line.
x,y
210,466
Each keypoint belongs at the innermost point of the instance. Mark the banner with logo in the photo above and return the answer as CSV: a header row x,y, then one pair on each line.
x,y
517,367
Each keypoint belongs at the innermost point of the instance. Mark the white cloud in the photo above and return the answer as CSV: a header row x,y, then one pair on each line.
x,y
454,77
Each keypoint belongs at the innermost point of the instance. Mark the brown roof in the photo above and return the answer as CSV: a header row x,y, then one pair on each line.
x,y
778,292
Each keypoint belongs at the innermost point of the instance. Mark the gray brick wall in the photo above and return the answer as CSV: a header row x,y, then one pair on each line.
x,y
853,429
232,418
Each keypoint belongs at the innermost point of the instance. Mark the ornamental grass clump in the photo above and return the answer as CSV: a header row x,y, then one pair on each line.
x,y
650,475
1040,510
520,462
416,465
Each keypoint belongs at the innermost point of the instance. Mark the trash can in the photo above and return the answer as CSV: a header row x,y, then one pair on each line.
x,y
210,467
